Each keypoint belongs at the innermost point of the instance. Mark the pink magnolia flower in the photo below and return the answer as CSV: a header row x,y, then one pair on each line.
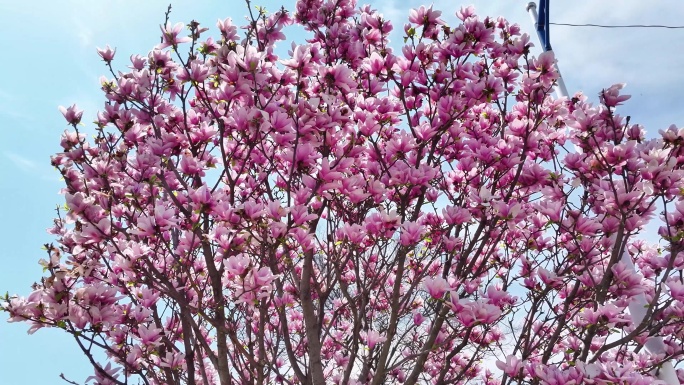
x,y
263,276
277,229
253,210
72,114
102,376
608,314
201,196
95,232
302,238
676,290
373,338
436,286
354,233
198,72
138,62
411,233
170,36
465,12
190,165
174,360
237,264
146,227
498,297
375,64
342,77
611,97
549,277
147,297
627,281
456,215
165,217
134,356
477,312
544,65
149,335
512,367
141,314
299,61
228,29
106,53
425,16
300,215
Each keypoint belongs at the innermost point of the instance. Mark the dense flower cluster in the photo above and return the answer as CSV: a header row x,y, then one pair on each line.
x,y
352,214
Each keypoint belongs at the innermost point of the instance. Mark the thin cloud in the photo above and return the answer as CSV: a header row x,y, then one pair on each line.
x,y
4,95
83,32
16,115
36,169
21,162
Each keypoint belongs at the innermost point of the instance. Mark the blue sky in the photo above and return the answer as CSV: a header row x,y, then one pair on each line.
x,y
49,59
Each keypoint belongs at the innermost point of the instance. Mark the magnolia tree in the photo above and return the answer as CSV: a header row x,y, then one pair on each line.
x,y
353,214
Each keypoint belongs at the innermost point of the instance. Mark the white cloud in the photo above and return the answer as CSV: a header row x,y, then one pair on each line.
x,y
25,164
15,115
11,107
36,169
83,32
4,95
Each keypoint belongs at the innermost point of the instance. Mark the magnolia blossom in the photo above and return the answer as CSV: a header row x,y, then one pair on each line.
x,y
72,114
436,287
170,36
512,367
373,337
611,97
107,53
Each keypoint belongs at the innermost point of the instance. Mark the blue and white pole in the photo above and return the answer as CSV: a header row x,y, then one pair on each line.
x,y
639,305
541,23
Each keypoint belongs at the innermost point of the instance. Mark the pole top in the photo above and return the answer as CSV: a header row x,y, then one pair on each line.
x,y
543,24
531,5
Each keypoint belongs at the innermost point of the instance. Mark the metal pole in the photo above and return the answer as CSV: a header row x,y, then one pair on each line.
x,y
638,305
543,32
